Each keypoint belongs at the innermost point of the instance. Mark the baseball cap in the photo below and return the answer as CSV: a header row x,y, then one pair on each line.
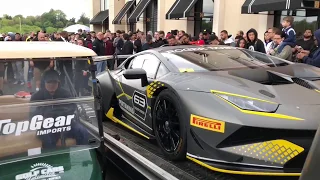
x,y
51,75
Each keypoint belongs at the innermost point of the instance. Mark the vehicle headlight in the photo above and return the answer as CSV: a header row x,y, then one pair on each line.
x,y
251,104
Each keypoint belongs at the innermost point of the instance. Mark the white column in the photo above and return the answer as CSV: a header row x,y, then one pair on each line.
x,y
94,10
114,8
218,15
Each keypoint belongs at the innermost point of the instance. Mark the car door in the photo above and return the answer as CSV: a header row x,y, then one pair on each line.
x,y
139,101
123,91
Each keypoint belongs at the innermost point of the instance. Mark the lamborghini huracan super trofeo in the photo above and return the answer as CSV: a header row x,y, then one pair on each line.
x,y
231,110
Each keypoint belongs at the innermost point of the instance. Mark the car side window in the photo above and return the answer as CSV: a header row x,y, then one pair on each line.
x,y
162,71
137,62
150,65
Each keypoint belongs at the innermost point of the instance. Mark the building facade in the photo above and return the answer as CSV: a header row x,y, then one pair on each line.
x,y
194,16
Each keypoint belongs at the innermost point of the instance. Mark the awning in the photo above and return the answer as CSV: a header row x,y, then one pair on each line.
x,y
135,15
180,9
123,12
256,6
100,18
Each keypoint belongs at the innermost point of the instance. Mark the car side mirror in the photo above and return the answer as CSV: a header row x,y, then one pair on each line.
x,y
137,74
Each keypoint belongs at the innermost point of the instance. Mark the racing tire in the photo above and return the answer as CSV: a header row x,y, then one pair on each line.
x,y
171,125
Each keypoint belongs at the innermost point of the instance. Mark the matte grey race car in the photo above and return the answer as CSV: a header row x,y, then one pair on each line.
x,y
230,110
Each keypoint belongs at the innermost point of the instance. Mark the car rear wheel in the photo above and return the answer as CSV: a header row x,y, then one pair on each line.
x,y
169,127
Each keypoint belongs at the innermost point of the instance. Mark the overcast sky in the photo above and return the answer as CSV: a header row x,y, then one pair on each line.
x,y
72,8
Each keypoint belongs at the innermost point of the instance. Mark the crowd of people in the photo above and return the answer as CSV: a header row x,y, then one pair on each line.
x,y
281,43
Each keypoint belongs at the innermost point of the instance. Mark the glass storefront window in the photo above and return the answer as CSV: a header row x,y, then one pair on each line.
x,y
104,4
301,21
207,7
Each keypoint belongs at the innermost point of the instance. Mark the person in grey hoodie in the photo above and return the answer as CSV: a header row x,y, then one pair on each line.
x,y
118,42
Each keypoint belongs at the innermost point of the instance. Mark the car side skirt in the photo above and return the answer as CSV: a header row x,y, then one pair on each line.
x,y
128,124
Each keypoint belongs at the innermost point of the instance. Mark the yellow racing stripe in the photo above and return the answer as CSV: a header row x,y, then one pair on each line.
x,y
116,120
241,172
273,115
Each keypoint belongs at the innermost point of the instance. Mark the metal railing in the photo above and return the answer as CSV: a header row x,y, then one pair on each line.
x,y
111,57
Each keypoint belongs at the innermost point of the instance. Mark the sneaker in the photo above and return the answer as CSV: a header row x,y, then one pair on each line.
x,y
22,83
16,82
37,89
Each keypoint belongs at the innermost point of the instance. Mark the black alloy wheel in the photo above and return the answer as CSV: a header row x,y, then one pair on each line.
x,y
167,122
169,130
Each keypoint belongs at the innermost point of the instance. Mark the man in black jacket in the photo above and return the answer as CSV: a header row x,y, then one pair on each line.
x,y
98,46
51,89
136,43
160,41
127,48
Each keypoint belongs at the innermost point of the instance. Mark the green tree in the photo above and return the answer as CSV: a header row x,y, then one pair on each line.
x,y
38,24
6,16
51,21
30,20
59,24
70,22
47,24
83,20
51,30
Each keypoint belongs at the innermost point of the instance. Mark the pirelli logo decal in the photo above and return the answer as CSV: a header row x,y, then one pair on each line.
x,y
206,123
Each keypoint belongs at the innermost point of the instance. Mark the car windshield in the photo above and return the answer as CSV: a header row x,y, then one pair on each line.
x,y
221,59
45,107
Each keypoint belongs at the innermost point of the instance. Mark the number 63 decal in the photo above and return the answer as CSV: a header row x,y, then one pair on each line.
x,y
137,99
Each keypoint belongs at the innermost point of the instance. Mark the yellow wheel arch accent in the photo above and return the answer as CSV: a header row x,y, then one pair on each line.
x,y
266,114
152,88
241,172
116,120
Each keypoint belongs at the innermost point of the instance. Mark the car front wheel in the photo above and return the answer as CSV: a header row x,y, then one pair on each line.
x,y
169,126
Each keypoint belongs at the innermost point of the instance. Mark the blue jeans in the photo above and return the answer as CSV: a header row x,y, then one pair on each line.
x,y
101,66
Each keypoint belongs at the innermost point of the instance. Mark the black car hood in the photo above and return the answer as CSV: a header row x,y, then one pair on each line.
x,y
284,85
